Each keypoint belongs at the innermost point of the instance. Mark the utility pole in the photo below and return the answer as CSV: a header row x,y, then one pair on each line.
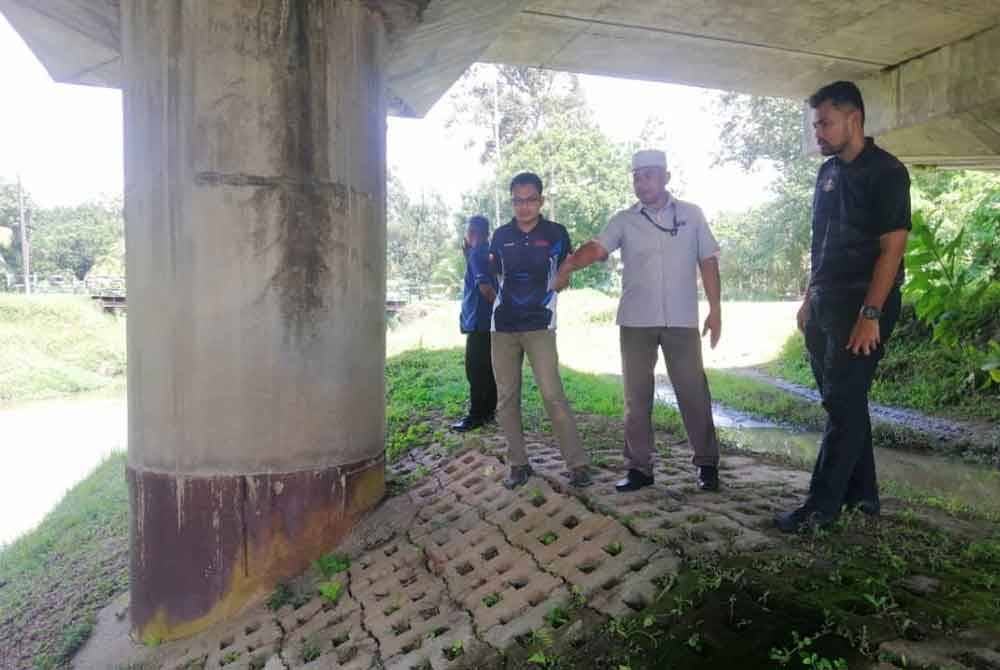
x,y
25,262
496,144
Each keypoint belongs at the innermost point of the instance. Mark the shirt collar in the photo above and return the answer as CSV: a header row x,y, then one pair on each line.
x,y
671,202
862,157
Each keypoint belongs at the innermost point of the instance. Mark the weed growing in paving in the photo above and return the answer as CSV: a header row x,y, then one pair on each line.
x,y
455,650
331,591
332,564
492,600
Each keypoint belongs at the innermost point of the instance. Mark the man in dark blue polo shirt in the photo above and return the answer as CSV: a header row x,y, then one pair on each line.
x,y
526,253
478,293
861,215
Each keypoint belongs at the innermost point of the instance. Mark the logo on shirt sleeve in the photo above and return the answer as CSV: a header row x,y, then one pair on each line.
x,y
828,184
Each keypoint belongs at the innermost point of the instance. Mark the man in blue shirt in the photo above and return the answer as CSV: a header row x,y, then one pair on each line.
x,y
526,253
478,293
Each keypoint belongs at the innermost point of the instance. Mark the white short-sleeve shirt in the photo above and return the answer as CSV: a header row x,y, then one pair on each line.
x,y
661,251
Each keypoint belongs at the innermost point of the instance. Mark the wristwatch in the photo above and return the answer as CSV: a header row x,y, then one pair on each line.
x,y
871,313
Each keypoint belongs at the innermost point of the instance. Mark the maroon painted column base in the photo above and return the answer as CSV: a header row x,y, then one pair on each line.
x,y
203,547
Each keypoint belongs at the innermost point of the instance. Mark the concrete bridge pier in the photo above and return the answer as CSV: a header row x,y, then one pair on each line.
x,y
255,210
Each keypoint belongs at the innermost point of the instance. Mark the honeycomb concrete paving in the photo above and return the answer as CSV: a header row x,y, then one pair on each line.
x,y
459,566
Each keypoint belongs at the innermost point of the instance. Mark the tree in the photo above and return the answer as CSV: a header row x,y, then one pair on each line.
x,y
74,239
10,235
771,239
502,103
586,181
420,236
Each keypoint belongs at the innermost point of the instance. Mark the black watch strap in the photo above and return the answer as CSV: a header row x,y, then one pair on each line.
x,y
869,312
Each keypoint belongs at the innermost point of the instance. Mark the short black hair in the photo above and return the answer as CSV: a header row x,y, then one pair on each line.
x,y
479,222
839,93
526,179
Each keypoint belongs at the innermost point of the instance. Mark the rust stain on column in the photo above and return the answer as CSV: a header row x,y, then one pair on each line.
x,y
203,548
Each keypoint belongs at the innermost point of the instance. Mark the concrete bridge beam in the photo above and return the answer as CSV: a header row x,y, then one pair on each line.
x,y
942,108
255,220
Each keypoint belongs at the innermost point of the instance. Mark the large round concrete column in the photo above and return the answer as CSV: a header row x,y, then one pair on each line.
x,y
255,210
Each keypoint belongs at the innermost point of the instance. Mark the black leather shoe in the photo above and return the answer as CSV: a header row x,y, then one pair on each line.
x,y
708,478
519,475
634,481
802,518
466,424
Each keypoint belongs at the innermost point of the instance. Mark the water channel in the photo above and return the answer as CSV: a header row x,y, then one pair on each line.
x,y
978,487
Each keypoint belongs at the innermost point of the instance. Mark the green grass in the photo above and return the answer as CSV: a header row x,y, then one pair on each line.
x,y
427,388
916,373
59,575
53,345
764,400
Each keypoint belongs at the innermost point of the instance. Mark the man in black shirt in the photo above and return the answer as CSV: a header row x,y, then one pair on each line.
x,y
861,218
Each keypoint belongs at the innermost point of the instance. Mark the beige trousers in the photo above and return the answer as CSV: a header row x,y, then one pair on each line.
x,y
508,358
682,352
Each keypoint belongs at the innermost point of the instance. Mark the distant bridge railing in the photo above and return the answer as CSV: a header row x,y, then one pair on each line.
x,y
109,292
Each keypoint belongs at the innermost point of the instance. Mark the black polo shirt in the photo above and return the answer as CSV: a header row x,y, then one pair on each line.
x,y
853,206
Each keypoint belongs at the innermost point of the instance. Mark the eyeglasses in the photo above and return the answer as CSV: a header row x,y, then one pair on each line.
x,y
533,200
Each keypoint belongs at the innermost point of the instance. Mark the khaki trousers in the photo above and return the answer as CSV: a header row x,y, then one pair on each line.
x,y
508,358
682,352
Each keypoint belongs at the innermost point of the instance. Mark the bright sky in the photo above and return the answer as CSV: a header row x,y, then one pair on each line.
x,y
66,141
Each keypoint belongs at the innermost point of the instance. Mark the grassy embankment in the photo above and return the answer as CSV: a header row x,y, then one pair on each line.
x,y
917,372
53,345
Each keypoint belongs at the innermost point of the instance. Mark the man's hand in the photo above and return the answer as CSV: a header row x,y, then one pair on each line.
x,y
713,323
563,277
802,318
865,336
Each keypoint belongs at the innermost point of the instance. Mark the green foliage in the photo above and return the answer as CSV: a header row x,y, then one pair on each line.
x,y
10,234
331,590
74,239
52,345
62,240
281,596
953,263
916,372
420,237
766,249
492,600
942,284
332,564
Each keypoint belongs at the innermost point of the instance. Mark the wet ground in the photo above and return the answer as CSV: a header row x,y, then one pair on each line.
x,y
977,487
944,430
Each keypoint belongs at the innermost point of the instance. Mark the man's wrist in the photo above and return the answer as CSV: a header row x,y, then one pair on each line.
x,y
870,312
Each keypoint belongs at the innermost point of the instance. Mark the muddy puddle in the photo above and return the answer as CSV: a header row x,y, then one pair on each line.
x,y
978,487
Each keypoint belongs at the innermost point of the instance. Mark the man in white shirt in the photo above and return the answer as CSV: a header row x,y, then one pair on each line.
x,y
664,243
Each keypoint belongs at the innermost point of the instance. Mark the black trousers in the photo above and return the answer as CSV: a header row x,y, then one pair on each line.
x,y
845,466
479,372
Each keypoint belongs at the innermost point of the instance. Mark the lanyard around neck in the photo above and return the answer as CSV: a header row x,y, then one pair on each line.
x,y
673,230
